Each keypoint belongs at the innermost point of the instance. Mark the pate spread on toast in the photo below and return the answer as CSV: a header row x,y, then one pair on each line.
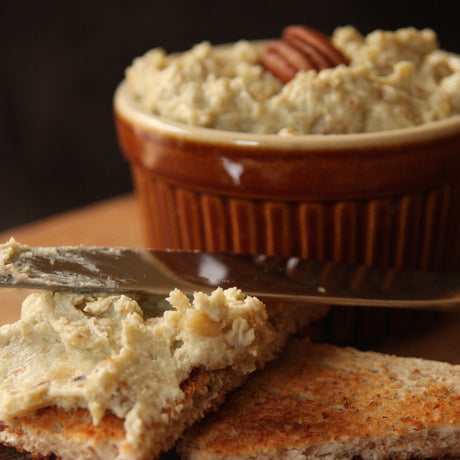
x,y
86,376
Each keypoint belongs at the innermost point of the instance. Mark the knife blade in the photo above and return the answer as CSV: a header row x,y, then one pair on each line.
x,y
147,271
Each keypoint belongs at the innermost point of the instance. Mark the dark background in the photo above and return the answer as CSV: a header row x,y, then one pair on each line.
x,y
61,61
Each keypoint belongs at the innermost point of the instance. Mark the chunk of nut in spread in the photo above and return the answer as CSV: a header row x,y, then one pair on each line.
x,y
385,80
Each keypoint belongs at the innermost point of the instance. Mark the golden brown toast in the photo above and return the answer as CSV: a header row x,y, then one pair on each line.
x,y
320,401
71,434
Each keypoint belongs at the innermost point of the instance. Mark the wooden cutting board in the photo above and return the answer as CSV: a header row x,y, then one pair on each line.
x,y
114,222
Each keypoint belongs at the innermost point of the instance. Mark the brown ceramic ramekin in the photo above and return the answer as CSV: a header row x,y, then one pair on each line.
x,y
388,198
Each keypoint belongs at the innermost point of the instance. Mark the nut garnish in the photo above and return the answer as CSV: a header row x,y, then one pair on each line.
x,y
300,48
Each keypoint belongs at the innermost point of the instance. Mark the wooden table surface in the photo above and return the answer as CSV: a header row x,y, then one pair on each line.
x,y
116,222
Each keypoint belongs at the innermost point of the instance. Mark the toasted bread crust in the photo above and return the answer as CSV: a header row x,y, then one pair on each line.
x,y
320,401
70,426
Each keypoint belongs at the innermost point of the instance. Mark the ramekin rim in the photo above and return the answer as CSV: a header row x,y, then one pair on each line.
x,y
126,107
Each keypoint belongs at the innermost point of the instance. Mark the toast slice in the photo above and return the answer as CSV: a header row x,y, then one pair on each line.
x,y
221,338
324,402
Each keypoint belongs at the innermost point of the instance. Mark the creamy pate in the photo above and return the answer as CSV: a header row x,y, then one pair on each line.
x,y
395,80
101,353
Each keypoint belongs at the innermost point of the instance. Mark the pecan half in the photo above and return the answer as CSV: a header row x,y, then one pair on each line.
x,y
300,48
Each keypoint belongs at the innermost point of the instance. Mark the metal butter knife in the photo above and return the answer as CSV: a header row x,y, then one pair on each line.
x,y
129,271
